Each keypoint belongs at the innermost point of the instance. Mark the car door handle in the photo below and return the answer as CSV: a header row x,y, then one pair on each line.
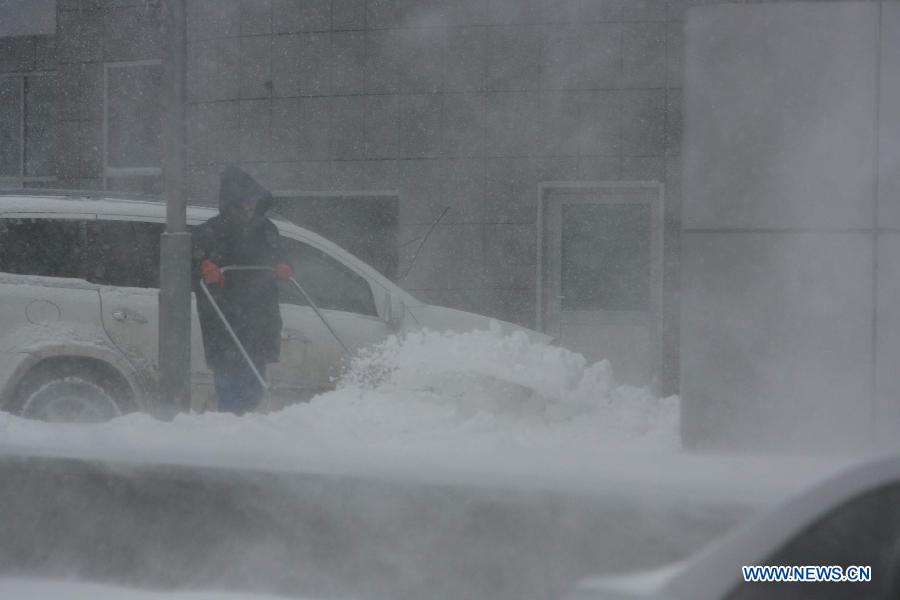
x,y
121,315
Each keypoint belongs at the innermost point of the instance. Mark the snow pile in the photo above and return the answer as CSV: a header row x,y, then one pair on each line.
x,y
483,380
477,406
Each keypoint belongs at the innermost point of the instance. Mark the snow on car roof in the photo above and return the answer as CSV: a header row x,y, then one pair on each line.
x,y
89,202
44,281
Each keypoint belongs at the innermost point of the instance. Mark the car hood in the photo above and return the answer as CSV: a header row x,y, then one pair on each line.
x,y
48,589
441,318
641,585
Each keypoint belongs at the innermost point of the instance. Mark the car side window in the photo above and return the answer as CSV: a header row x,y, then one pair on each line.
x,y
45,247
123,253
864,531
329,282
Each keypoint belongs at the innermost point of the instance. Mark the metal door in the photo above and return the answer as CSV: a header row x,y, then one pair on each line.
x,y
600,273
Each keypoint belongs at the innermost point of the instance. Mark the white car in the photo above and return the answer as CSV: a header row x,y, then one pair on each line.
x,y
79,279
848,521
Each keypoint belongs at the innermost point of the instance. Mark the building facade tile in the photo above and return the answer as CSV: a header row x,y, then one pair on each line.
x,y
348,55
513,58
420,126
644,55
466,59
463,124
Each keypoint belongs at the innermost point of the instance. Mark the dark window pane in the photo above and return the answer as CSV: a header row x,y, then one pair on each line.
x,y
329,283
47,247
134,116
606,256
10,126
139,184
862,532
43,185
40,125
124,253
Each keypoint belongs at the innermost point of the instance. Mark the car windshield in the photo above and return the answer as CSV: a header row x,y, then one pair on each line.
x,y
412,299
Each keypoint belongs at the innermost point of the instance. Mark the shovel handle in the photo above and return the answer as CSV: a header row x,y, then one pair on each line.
x,y
321,316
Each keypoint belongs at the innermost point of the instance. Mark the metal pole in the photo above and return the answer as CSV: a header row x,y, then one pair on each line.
x,y
175,246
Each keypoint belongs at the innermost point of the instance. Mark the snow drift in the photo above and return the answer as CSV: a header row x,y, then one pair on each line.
x,y
487,382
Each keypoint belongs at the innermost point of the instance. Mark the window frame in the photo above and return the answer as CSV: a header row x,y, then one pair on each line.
x,y
114,172
551,196
22,180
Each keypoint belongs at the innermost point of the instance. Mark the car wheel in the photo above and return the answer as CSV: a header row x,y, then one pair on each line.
x,y
72,399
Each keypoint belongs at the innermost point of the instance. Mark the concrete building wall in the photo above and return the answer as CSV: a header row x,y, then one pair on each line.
x,y
27,18
788,304
887,298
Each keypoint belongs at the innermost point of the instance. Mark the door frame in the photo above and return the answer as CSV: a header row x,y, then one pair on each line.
x,y
607,191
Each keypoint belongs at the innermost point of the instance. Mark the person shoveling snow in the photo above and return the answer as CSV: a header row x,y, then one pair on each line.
x,y
240,235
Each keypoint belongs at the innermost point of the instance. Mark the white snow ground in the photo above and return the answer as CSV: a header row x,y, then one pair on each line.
x,y
39,589
478,407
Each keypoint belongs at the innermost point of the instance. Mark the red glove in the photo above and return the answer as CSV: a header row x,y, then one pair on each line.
x,y
211,273
283,271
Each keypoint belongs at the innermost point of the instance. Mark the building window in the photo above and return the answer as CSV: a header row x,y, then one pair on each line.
x,y
606,258
132,124
28,125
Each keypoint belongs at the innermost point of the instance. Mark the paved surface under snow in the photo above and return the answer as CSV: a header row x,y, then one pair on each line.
x,y
474,407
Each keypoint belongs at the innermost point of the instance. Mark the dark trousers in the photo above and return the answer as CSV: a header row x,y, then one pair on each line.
x,y
238,389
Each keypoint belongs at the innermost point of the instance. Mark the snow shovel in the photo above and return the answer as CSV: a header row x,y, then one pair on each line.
x,y
262,380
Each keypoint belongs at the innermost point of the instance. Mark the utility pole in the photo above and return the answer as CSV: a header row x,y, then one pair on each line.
x,y
175,246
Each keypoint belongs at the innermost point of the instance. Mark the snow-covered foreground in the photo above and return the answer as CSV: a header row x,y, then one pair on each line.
x,y
443,466
37,589
472,407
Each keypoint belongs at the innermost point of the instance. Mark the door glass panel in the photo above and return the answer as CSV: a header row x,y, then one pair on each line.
x,y
124,253
606,257
329,282
46,247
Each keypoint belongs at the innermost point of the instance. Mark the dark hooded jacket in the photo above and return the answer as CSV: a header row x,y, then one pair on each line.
x,y
249,299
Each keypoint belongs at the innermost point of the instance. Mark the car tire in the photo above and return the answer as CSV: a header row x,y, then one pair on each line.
x,y
66,396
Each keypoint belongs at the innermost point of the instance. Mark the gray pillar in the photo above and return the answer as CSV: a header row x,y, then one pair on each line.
x,y
175,249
